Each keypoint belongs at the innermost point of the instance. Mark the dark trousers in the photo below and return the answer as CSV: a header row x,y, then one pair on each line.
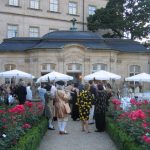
x,y
100,121
75,112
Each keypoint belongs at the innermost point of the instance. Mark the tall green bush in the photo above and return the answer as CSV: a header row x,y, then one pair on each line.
x,y
121,138
32,138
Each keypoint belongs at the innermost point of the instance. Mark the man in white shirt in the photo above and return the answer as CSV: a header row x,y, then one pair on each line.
x,y
42,92
53,90
29,92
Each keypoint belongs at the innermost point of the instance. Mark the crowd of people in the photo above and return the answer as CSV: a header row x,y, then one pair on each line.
x,y
15,93
87,103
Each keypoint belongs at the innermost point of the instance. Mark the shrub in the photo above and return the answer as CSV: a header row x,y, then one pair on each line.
x,y
120,137
32,138
132,123
16,121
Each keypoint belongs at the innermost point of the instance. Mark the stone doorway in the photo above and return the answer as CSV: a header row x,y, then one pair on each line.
x,y
76,75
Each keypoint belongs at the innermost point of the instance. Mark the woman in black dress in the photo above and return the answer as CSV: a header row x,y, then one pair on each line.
x,y
100,108
75,108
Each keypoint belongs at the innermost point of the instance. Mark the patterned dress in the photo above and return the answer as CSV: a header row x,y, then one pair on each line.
x,y
84,101
100,109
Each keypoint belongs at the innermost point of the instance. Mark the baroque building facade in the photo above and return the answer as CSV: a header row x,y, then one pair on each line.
x,y
34,18
75,53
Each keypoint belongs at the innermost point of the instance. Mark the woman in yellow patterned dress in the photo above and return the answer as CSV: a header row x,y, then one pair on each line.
x,y
84,101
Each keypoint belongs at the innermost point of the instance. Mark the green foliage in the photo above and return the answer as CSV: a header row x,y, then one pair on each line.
x,y
121,137
122,16
134,123
32,138
16,121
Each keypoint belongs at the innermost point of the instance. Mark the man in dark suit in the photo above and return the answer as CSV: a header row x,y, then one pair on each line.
x,y
21,92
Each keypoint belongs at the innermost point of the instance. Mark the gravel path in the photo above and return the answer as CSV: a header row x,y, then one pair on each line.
x,y
76,140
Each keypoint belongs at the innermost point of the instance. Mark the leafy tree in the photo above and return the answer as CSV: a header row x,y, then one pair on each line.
x,y
122,16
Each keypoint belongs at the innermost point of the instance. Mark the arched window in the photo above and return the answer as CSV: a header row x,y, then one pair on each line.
x,y
8,67
99,66
74,67
48,67
134,69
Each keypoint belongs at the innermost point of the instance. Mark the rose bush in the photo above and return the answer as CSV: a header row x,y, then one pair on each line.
x,y
135,121
15,121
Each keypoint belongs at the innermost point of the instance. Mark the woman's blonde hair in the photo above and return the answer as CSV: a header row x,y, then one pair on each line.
x,y
60,93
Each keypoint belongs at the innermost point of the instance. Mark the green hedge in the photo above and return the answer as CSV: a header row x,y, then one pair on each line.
x,y
31,140
122,140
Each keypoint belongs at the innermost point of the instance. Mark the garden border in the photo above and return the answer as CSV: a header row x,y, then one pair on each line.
x,y
32,139
122,140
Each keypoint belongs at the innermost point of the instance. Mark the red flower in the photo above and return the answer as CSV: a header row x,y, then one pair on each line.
x,y
145,102
2,111
4,120
132,115
144,124
29,104
141,114
40,107
123,115
139,103
4,127
133,101
17,109
26,126
116,102
146,139
138,114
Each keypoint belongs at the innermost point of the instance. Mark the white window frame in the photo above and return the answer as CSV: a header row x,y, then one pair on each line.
x,y
72,8
34,31
12,30
134,71
35,4
48,67
74,67
98,67
54,5
91,10
9,66
13,2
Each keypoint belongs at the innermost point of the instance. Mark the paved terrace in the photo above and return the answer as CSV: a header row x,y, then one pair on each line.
x,y
76,140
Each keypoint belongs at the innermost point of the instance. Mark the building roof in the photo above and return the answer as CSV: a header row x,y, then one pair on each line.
x,y
18,44
59,39
71,35
125,45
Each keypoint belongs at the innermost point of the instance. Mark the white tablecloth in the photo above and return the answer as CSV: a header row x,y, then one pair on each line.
x,y
125,101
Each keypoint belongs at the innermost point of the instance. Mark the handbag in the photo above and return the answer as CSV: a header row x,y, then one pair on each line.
x,y
67,108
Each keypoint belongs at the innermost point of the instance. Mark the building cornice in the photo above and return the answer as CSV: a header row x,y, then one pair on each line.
x,y
39,17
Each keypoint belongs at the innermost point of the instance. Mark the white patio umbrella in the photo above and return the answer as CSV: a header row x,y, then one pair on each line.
x,y
56,76
102,75
143,77
16,74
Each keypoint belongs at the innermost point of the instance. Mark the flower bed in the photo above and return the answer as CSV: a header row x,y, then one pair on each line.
x,y
32,138
130,129
121,138
16,121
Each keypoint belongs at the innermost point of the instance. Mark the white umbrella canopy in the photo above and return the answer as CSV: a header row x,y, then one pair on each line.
x,y
56,76
102,75
143,77
16,73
